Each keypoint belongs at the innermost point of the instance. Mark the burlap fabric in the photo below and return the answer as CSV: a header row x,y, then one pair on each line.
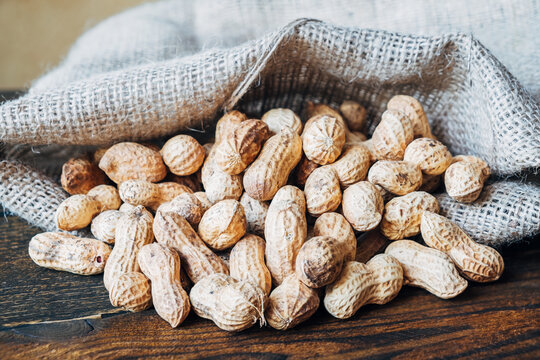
x,y
137,76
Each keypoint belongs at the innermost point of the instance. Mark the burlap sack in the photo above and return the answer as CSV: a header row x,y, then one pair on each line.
x,y
136,77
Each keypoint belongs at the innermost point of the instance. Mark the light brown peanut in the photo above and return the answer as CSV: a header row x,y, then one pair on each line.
x,y
291,303
414,111
223,224
132,161
285,231
397,177
233,305
278,118
313,110
391,136
133,231
79,175
354,114
236,152
107,196
427,268
270,171
227,123
465,178
65,252
323,139
302,171
145,193
319,261
131,291
376,282
431,156
246,262
402,214
322,191
353,165
203,199
104,225
186,205
335,225
198,260
219,185
369,244
161,265
362,206
475,261
255,212
183,155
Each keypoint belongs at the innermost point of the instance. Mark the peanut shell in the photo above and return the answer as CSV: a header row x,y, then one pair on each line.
x,y
391,136
323,139
319,261
397,177
223,224
131,291
278,118
79,175
335,225
246,262
322,191
362,206
255,212
183,155
431,156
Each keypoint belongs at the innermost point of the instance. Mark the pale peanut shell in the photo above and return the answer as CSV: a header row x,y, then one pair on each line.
x,y
223,224
323,139
183,155
76,212
246,262
391,136
322,191
397,177
255,212
335,225
414,111
362,206
319,261
104,225
431,156
131,291
353,165
278,118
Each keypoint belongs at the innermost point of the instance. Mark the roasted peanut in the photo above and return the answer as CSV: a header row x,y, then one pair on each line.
x,y
376,282
227,123
255,212
427,268
132,161
354,114
183,155
223,224
335,225
276,119
353,165
133,231
362,206
414,111
145,193
319,261
186,205
131,291
65,252
246,262
291,303
271,169
322,191
302,171
233,305
104,225
323,139
465,178
391,136
475,261
402,214
162,266
285,231
79,175
236,152
219,185
198,260
398,177
431,156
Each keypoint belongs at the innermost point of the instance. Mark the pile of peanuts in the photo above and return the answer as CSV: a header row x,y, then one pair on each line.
x,y
278,219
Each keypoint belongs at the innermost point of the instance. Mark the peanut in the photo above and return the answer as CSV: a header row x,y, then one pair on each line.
x,y
132,161
402,214
397,177
376,282
186,205
79,175
335,225
319,261
65,252
131,291
427,268
302,171
313,110
104,225
291,303
322,191
198,260
191,181
223,224
77,211
354,114
285,231
362,206
203,199
430,183
465,178
353,165
255,212
370,244
236,152
431,156
145,193
391,136
475,261
183,155
276,119
246,262
269,172
162,266
233,305
133,231
227,123
219,185
414,111
323,139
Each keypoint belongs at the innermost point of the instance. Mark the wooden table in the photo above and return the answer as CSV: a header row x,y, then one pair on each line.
x,y
45,313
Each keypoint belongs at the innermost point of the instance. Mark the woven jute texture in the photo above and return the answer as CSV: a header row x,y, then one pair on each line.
x,y
137,86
